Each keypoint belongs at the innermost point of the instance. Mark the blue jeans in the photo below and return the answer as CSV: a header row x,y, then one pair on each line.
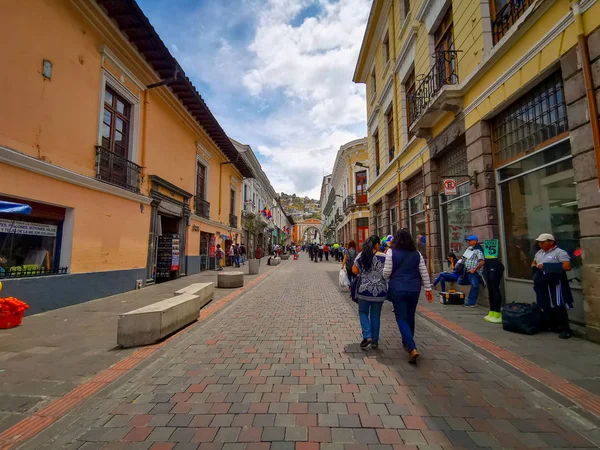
x,y
370,319
443,277
474,291
405,308
236,260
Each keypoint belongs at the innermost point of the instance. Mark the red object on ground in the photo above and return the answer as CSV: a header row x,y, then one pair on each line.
x,y
10,320
11,312
295,256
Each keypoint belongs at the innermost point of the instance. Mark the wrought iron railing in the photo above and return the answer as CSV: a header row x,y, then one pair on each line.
x,y
507,16
22,272
338,215
115,169
354,200
202,207
233,221
444,72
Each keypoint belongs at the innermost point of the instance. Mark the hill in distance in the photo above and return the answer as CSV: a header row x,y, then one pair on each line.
x,y
300,207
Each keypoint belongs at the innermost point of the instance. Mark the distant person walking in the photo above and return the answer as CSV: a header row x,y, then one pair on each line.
x,y
243,253
348,262
371,290
407,274
219,258
326,251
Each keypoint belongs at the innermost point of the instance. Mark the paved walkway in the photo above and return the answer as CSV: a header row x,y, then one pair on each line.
x,y
54,352
280,368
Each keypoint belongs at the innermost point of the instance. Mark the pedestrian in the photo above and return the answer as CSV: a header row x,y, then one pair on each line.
x,y
371,290
407,274
315,252
326,252
230,255
258,253
348,262
457,267
236,255
474,261
551,285
219,258
243,253
320,252
493,269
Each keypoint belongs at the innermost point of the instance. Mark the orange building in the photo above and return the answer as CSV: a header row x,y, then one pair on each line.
x,y
130,177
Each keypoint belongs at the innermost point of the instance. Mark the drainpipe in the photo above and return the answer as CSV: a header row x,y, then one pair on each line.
x,y
144,133
589,83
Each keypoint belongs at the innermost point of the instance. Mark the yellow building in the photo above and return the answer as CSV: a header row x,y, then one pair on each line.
x,y
130,177
345,204
492,100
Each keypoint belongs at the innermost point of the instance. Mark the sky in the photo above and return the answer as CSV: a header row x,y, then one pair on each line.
x,y
277,75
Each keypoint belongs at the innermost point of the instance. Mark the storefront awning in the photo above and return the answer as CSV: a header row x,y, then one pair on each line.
x,y
11,208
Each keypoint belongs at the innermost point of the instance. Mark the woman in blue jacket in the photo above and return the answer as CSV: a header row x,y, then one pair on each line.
x,y
405,269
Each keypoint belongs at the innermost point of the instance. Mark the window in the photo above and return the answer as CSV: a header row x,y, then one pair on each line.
x,y
406,4
416,212
444,48
201,181
443,35
390,134
373,84
361,186
539,116
376,149
456,220
232,202
379,218
411,88
538,195
393,220
116,123
504,14
386,47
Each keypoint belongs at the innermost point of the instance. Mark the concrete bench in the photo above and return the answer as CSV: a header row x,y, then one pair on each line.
x,y
206,291
154,322
275,261
285,257
482,299
230,279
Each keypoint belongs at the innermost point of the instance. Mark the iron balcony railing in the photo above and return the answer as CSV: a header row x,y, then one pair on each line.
x,y
507,16
115,169
444,72
202,207
233,223
338,215
354,200
22,272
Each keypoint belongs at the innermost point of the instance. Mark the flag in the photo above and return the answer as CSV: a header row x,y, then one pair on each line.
x,y
264,211
269,215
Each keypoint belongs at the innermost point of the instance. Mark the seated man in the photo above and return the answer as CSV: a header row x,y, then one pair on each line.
x,y
458,269
474,261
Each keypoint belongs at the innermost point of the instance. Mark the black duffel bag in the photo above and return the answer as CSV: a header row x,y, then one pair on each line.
x,y
524,318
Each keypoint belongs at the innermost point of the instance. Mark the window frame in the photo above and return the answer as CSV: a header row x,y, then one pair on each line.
x,y
410,87
376,150
386,47
390,134
373,83
201,161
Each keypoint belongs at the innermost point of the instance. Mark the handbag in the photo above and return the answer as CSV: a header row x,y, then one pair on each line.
x,y
354,288
343,279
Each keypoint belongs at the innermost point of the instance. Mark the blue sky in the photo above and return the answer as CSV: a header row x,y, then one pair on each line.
x,y
277,74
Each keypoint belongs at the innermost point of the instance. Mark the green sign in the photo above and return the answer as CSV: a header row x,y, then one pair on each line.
x,y
490,249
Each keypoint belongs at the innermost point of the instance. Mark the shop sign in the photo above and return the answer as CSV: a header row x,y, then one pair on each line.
x,y
450,186
213,246
33,229
175,255
490,248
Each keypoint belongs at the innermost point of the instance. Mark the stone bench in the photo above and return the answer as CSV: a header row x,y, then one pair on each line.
x,y
206,291
275,261
154,322
230,279
285,257
482,299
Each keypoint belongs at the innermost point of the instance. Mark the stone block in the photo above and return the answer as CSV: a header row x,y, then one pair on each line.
x,y
590,274
227,280
581,139
485,232
285,257
485,180
484,216
253,266
588,195
590,247
275,262
477,131
595,74
578,113
483,198
574,88
203,290
594,44
431,179
482,163
589,222
584,165
479,147
154,322
570,63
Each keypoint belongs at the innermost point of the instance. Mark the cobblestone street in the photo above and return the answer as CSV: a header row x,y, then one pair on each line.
x,y
280,368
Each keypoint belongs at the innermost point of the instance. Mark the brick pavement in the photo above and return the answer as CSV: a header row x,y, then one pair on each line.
x,y
280,369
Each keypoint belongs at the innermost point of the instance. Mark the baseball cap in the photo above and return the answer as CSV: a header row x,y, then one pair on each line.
x,y
472,238
545,237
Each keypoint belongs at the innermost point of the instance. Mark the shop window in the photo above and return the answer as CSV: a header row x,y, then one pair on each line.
x,y
456,220
376,149
539,196
390,134
530,122
30,243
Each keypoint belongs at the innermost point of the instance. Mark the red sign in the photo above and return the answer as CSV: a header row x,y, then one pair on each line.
x,y
213,246
450,186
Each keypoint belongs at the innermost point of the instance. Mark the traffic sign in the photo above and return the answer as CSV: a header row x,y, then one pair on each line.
x,y
450,186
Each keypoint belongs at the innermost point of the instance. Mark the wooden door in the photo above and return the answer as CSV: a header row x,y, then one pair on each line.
x,y
361,187
363,235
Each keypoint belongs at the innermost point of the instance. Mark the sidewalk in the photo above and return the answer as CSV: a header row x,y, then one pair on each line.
x,y
53,352
575,360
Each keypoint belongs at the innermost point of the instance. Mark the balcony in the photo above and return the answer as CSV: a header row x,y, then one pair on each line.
x,y
507,16
202,207
233,221
354,200
338,215
436,93
115,169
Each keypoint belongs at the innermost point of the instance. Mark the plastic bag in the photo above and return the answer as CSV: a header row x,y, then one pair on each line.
x,y
343,279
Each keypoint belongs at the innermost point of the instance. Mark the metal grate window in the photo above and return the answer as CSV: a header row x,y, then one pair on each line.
x,y
454,164
533,119
414,186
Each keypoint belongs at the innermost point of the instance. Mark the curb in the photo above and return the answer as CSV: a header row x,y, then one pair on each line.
x,y
31,426
555,387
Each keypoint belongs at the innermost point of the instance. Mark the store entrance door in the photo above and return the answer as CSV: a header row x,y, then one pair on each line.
x,y
168,245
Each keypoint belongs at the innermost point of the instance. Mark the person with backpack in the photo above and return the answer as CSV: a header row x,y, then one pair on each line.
x,y
371,290
407,274
458,270
348,262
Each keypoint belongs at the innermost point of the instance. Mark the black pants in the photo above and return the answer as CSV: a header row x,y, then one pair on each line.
x,y
326,256
557,318
492,273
